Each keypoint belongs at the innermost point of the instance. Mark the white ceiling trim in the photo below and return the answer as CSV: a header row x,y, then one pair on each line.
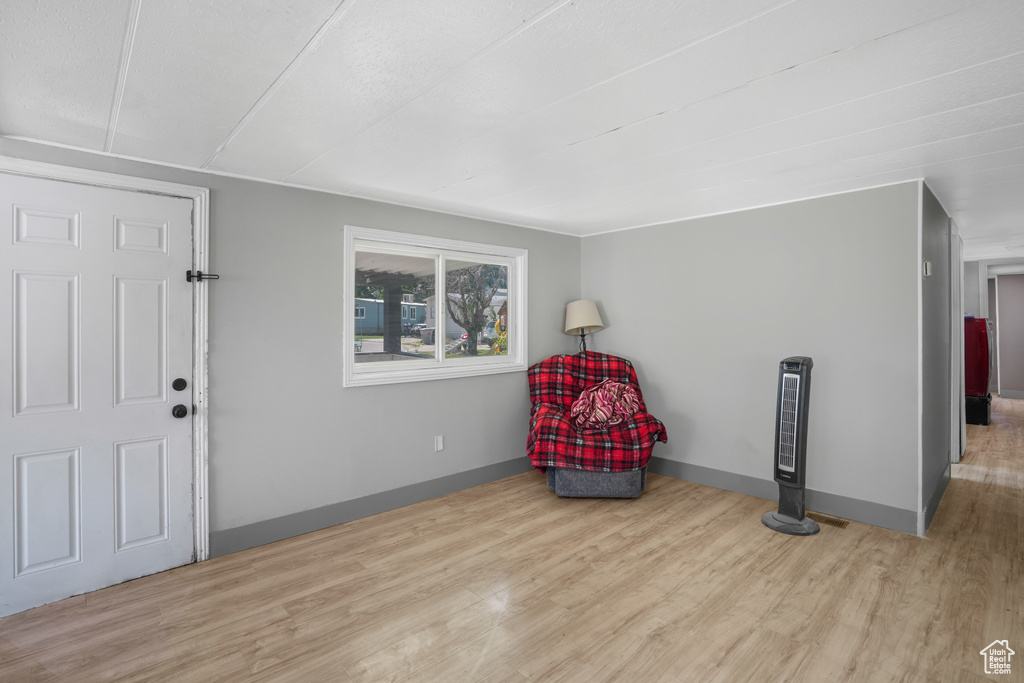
x,y
1000,247
511,221
1007,269
989,249
753,207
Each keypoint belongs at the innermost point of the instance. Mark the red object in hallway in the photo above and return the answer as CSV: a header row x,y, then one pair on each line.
x,y
976,360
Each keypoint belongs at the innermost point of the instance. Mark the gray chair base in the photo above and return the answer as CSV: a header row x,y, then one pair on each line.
x,y
571,483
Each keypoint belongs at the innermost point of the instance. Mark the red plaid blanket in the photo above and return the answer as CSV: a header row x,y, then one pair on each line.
x,y
553,441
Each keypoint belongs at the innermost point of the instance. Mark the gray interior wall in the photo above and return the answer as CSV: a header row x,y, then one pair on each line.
x,y
285,435
707,308
1010,289
988,269
834,278
972,294
935,353
986,291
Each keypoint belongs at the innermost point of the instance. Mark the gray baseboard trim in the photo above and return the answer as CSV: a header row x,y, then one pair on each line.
x,y
933,502
740,483
1011,393
268,531
864,511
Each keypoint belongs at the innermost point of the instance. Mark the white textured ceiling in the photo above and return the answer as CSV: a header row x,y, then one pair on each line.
x,y
579,116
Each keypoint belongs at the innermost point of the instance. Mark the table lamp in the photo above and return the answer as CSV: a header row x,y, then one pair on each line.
x,y
581,317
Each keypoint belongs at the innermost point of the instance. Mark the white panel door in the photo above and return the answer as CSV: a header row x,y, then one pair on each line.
x,y
95,469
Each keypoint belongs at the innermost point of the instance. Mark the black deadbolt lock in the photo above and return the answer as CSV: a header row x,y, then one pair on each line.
x,y
179,411
179,384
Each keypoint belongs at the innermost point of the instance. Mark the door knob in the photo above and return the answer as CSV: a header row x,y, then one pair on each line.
x,y
179,384
179,410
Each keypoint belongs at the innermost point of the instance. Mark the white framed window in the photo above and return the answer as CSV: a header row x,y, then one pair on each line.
x,y
360,312
464,285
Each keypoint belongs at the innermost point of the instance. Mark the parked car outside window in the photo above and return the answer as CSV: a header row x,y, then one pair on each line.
x,y
489,334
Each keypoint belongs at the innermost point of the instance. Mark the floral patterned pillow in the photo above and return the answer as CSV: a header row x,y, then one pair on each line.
x,y
604,405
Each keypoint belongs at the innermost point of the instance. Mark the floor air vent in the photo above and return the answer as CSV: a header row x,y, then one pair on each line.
x,y
830,521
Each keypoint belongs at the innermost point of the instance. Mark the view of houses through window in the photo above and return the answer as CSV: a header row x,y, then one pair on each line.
x,y
475,307
386,289
414,305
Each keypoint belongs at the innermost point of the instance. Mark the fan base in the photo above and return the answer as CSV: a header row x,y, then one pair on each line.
x,y
789,525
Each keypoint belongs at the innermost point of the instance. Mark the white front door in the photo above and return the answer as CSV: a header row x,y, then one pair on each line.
x,y
95,332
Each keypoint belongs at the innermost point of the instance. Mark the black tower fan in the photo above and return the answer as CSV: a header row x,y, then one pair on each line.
x,y
791,448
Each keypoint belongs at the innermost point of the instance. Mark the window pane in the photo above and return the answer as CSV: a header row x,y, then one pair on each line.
x,y
405,327
476,306
391,293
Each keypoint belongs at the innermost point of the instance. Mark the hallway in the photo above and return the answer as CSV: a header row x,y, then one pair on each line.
x,y
980,523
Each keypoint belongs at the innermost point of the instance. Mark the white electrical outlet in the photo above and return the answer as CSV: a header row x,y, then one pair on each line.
x,y
438,443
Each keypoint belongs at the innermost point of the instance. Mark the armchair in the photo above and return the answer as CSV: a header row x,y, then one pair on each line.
x,y
608,460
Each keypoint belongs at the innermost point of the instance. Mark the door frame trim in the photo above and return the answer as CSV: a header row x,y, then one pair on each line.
x,y
200,197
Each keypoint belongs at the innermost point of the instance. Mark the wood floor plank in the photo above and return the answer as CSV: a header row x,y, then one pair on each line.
x,y
766,655
506,583
17,664
503,674
434,641
526,632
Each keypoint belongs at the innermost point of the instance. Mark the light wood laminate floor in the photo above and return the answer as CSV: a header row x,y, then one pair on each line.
x,y
506,582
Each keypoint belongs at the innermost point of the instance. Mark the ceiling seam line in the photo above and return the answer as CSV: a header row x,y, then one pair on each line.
x,y
778,152
529,23
729,135
127,46
367,186
272,89
598,84
803,189
819,110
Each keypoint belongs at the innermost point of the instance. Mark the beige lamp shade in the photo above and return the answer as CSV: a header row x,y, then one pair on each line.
x,y
581,317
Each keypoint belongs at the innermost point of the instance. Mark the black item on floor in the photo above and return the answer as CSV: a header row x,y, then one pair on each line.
x,y
979,409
